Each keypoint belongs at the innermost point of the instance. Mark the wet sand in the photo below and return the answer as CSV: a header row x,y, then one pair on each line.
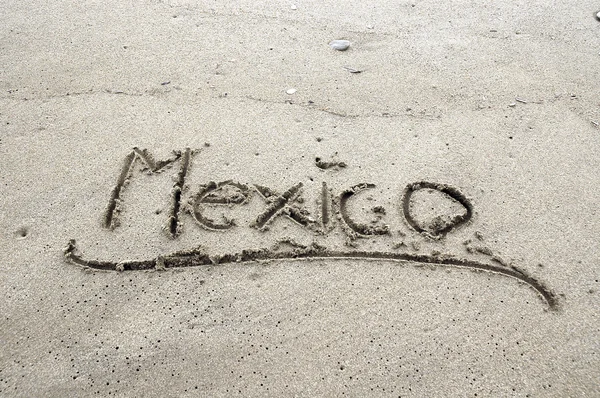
x,y
417,218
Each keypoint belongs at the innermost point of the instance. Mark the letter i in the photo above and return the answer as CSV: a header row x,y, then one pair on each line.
x,y
326,208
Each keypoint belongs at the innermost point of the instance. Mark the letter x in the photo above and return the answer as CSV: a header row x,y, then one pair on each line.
x,y
281,205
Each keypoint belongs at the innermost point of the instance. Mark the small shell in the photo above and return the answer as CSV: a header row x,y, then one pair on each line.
x,y
340,45
293,7
598,16
291,91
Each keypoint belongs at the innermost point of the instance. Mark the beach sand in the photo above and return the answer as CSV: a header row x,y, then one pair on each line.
x,y
417,218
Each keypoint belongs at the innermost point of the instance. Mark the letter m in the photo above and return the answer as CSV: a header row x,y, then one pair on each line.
x,y
115,204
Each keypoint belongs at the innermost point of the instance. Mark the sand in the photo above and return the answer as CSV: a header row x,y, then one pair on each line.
x,y
417,218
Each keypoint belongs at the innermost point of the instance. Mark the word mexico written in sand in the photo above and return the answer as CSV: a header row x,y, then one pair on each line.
x,y
333,211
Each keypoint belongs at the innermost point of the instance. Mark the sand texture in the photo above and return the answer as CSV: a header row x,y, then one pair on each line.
x,y
205,199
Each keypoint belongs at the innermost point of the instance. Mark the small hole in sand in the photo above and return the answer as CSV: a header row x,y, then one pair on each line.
x,y
22,232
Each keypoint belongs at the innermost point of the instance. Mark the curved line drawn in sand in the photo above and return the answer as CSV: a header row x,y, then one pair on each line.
x,y
441,230
198,257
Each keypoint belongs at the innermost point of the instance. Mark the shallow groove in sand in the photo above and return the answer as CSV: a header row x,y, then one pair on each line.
x,y
448,190
115,196
174,226
198,257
